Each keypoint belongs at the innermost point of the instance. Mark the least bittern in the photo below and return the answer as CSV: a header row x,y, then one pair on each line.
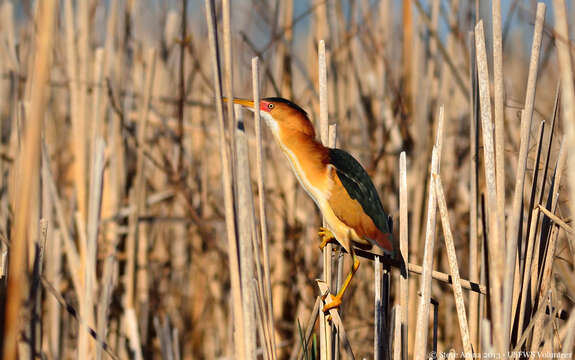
x,y
336,181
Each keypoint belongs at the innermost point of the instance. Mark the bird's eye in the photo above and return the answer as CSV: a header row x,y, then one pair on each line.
x,y
271,106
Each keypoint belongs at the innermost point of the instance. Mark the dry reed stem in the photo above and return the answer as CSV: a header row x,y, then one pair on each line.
x,y
567,92
70,309
517,211
452,258
336,283
407,65
540,312
556,220
245,223
433,32
72,256
239,347
137,195
421,330
25,196
325,327
378,312
417,269
94,206
53,264
34,330
109,277
133,333
163,331
308,329
518,275
545,284
78,121
403,248
473,162
537,269
498,115
495,263
570,337
229,74
396,333
527,278
486,344
343,338
260,163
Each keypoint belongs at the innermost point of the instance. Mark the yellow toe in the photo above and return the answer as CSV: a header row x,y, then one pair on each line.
x,y
335,303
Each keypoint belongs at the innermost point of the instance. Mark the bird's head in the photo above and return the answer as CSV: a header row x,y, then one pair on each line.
x,y
281,115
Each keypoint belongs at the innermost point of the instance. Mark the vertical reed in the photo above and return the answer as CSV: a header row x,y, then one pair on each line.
x,y
421,330
142,246
25,196
261,202
325,326
517,211
494,247
403,247
239,347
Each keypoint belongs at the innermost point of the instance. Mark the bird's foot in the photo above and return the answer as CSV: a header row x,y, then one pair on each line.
x,y
335,303
326,237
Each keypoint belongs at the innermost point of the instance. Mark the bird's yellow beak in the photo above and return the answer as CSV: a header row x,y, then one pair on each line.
x,y
249,104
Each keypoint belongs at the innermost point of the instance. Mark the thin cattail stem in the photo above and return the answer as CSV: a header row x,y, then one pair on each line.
x,y
94,206
403,247
239,347
25,196
245,226
378,313
527,276
396,333
326,333
567,92
495,263
421,331
517,211
452,258
261,201
499,117
473,165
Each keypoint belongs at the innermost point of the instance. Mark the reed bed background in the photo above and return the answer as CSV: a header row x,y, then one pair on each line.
x,y
138,220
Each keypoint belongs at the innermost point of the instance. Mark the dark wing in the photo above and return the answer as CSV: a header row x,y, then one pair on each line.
x,y
359,186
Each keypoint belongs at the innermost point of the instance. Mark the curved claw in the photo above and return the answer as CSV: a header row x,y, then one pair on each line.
x,y
326,237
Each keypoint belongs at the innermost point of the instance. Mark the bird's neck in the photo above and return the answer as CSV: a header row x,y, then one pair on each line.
x,y
309,159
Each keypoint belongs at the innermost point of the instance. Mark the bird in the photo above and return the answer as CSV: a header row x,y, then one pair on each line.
x,y
334,179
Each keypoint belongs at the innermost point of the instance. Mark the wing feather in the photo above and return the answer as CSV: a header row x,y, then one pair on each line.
x,y
359,186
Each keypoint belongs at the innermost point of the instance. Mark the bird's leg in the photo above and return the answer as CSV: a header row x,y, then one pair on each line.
x,y
337,298
326,237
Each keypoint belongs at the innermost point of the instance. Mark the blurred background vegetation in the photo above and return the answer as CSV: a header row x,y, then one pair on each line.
x,y
130,104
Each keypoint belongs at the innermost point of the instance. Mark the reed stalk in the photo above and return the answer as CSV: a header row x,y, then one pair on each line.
x,y
239,346
25,196
421,330
495,263
517,211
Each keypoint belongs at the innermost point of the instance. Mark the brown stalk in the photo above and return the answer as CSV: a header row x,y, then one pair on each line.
x,y
499,117
230,217
261,203
494,247
517,211
567,92
473,165
246,226
325,327
27,190
421,330
403,246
